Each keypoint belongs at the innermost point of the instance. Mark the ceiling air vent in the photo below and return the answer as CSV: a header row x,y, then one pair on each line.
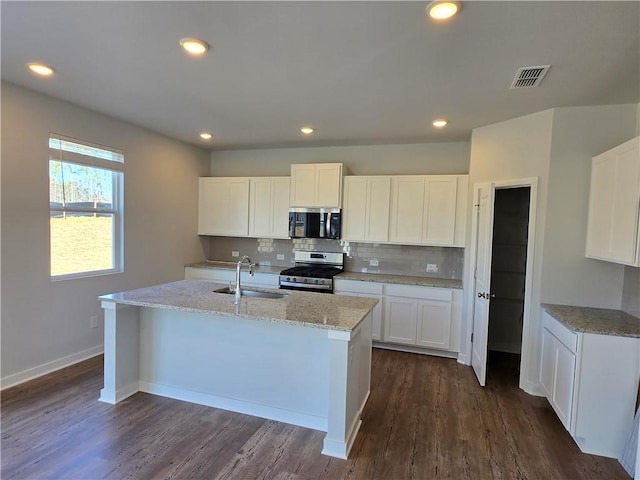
x,y
528,77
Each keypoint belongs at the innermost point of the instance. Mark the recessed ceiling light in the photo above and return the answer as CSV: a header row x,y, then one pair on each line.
x,y
439,123
205,135
307,130
443,9
41,69
193,46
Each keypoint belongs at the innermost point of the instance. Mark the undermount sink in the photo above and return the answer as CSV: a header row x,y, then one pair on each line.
x,y
253,293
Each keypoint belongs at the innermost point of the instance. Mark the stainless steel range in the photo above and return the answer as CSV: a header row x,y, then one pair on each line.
x,y
313,271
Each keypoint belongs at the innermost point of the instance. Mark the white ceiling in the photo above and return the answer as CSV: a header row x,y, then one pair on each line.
x,y
359,72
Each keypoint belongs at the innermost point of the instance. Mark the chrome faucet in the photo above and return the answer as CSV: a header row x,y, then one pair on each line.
x,y
238,292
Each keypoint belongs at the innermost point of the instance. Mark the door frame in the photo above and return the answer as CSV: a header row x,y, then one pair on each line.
x,y
529,335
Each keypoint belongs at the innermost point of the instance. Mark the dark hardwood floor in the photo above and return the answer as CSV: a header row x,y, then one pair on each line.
x,y
427,418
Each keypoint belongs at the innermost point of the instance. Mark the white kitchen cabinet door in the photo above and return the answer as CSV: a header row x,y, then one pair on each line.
x,y
378,204
303,185
376,332
407,209
439,220
400,320
223,206
375,290
354,210
316,185
366,208
269,207
565,369
613,231
558,367
329,185
548,364
434,324
260,214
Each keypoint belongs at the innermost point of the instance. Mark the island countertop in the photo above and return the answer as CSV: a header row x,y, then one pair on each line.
x,y
318,310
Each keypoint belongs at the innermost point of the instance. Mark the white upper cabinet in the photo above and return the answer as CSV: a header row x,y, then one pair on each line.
x,y
223,206
316,185
613,232
428,209
269,207
366,208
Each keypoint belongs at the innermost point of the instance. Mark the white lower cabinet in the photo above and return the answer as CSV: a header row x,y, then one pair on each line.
x,y
420,316
410,315
591,382
356,288
557,375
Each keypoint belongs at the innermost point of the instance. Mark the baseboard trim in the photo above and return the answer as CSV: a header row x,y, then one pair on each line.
x,y
418,350
49,367
234,405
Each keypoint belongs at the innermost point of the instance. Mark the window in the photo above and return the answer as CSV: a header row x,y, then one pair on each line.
x,y
86,205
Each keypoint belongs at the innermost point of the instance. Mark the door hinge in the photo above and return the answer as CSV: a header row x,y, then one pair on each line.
x,y
471,337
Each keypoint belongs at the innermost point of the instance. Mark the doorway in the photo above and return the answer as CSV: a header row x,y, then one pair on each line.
x,y
508,274
501,278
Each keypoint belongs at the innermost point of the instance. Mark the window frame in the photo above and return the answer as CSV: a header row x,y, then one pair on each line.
x,y
114,166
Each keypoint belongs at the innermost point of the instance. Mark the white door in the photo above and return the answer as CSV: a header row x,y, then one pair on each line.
x,y
484,195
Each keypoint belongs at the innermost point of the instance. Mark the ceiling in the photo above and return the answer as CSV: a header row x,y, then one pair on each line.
x,y
358,72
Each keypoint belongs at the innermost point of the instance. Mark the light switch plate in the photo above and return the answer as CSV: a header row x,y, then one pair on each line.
x,y
432,268
373,262
280,256
235,254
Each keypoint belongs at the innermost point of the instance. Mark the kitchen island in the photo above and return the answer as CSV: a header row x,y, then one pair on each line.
x,y
304,359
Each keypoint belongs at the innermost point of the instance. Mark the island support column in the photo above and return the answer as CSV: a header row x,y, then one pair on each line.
x,y
121,352
350,367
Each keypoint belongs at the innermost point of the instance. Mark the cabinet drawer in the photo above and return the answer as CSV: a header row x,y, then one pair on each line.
x,y
424,293
356,286
562,333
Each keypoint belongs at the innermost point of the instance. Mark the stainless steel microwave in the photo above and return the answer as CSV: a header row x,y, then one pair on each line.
x,y
315,223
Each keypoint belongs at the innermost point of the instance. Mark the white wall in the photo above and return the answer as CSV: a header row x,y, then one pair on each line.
x,y
45,325
409,159
556,146
515,149
568,277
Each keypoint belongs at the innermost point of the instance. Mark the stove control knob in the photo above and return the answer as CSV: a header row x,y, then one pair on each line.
x,y
288,279
305,280
321,282
316,281
294,279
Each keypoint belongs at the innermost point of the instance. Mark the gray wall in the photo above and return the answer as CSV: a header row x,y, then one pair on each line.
x,y
411,159
45,324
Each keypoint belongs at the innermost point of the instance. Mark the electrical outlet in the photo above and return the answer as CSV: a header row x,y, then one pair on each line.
x,y
235,254
94,321
432,268
363,270
373,262
280,256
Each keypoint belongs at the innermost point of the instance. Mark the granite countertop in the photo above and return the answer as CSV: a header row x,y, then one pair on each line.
x,y
362,277
318,310
601,321
401,280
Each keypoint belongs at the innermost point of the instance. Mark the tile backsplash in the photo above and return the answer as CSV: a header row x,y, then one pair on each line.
x,y
442,262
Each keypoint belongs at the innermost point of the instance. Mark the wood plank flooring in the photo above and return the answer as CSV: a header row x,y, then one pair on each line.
x,y
427,418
